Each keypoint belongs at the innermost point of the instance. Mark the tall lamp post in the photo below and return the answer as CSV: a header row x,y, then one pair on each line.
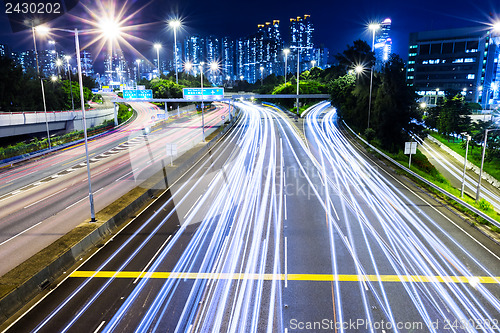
x,y
174,24
202,106
67,57
298,48
158,47
110,29
373,27
261,75
286,52
482,161
43,30
138,61
465,165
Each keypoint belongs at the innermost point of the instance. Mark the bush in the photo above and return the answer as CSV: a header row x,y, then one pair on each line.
x,y
484,205
369,134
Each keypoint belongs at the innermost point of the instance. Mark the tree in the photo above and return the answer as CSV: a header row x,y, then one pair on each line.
x,y
451,116
395,112
359,53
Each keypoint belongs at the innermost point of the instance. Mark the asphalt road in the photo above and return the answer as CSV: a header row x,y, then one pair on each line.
x,y
267,234
43,199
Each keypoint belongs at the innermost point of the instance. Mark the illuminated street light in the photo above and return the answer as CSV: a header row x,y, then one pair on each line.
x,y
496,27
423,105
67,57
175,24
42,30
138,61
241,78
286,52
313,63
359,69
373,27
158,47
202,106
59,62
53,78
188,66
110,28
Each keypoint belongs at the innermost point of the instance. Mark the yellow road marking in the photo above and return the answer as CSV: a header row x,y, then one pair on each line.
x,y
291,277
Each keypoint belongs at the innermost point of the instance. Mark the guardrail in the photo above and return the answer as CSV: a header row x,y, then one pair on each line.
x,y
439,189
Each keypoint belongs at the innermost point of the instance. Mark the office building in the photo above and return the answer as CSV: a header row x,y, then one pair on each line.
x,y
456,60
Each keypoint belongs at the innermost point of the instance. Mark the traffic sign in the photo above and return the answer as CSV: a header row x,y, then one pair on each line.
x,y
137,94
195,94
410,148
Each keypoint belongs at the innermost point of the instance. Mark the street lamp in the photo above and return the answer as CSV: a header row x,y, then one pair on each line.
x,y
261,75
158,47
202,106
110,30
465,164
188,66
298,48
138,61
482,161
214,67
373,27
175,24
42,30
286,52
359,69
313,63
67,57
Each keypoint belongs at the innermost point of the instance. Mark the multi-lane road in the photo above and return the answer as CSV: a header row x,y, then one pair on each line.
x,y
268,233
42,200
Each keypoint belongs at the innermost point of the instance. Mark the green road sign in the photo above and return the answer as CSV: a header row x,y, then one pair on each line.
x,y
194,94
137,94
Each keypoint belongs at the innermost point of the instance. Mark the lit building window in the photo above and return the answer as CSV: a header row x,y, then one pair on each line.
x,y
471,76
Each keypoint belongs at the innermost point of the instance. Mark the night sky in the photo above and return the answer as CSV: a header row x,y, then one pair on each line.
x,y
337,23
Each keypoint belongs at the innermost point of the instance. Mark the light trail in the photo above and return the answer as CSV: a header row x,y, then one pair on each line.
x,y
410,247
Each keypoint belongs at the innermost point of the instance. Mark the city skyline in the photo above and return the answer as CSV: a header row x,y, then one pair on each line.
x,y
337,24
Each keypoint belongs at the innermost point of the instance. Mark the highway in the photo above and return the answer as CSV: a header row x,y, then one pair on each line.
x,y
268,233
453,171
43,199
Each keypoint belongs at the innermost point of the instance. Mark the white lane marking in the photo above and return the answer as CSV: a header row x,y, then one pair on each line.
x,y
102,188
190,209
284,206
34,203
100,172
125,175
99,327
22,232
286,262
152,259
75,203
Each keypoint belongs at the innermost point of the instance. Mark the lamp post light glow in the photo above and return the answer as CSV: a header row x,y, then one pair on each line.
x,y
313,63
373,27
496,27
158,47
261,75
359,69
175,24
286,52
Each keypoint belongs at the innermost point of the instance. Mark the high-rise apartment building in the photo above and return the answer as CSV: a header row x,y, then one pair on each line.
x,y
227,61
464,59
383,44
301,41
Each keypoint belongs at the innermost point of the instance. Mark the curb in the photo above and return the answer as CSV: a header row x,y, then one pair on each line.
x,y
28,290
